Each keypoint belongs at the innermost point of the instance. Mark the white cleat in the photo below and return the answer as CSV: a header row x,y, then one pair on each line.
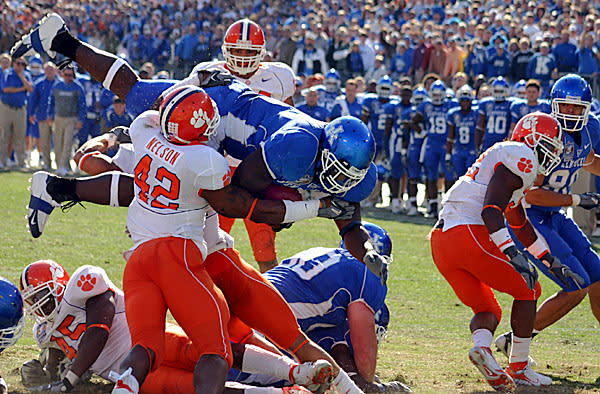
x,y
396,206
528,377
316,376
126,384
41,203
412,211
504,344
39,39
485,362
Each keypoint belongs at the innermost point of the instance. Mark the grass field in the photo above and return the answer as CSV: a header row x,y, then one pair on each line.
x,y
428,338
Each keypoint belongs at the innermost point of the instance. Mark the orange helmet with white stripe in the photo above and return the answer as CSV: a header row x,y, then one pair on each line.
x,y
244,34
43,285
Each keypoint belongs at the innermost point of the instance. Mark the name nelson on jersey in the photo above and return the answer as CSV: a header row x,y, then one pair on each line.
x,y
168,154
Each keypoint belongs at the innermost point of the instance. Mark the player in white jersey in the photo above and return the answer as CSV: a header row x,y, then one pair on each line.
x,y
244,48
472,219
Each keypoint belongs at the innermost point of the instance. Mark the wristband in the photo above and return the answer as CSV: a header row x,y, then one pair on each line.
x,y
403,151
114,188
502,239
300,210
538,248
349,227
70,380
576,200
448,156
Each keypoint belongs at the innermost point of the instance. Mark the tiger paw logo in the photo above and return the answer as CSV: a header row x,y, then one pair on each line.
x,y
227,177
199,119
525,165
86,282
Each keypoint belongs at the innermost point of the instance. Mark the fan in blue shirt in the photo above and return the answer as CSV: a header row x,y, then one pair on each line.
x,y
542,67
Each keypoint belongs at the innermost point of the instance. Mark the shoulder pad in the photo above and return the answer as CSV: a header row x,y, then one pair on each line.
x,y
86,282
519,159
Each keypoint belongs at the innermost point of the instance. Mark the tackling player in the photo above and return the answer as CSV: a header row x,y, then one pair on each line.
x,y
12,319
472,219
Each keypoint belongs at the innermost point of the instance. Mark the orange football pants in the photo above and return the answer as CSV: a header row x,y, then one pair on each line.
x,y
170,273
473,265
262,236
252,298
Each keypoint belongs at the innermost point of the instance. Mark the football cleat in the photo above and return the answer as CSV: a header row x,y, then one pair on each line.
x,y
483,359
412,211
396,206
39,39
126,384
316,376
41,203
504,344
396,387
295,390
528,377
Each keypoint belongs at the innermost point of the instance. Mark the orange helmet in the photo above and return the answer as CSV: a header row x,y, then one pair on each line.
x,y
188,115
43,285
244,34
542,133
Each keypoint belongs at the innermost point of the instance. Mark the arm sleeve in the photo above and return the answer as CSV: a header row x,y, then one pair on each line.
x,y
214,176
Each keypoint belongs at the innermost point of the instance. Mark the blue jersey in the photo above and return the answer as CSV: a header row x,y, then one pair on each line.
x,y
394,110
464,128
344,108
377,116
415,138
327,99
497,120
435,119
320,283
573,157
316,111
520,108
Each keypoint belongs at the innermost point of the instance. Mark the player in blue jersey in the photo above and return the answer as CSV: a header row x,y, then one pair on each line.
x,y
460,146
532,103
494,116
12,319
519,89
339,304
332,83
571,100
433,113
394,132
312,107
347,104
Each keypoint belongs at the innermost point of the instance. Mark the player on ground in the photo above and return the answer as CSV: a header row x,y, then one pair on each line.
x,y
531,103
12,319
83,318
259,131
472,218
494,116
460,146
571,100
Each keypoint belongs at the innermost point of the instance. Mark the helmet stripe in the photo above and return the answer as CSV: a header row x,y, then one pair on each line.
x,y
24,281
172,104
245,30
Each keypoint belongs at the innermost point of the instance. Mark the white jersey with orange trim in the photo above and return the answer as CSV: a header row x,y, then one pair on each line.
x,y
464,201
168,181
272,79
69,325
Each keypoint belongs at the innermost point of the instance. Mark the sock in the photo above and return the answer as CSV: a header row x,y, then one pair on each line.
x,y
482,337
519,352
412,201
62,189
262,390
65,44
344,384
257,360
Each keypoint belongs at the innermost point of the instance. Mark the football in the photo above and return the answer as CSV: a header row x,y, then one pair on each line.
x,y
278,192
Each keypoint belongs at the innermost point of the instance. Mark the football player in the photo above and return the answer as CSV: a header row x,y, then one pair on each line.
x,y
259,131
571,100
340,305
394,132
519,89
433,113
473,218
531,103
12,319
332,84
244,49
83,318
311,106
494,116
460,146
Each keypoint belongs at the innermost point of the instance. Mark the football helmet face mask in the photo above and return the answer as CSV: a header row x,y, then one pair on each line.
x,y
12,318
571,89
43,285
437,92
500,89
384,87
332,81
380,239
244,34
542,133
465,93
187,115
347,151
419,95
520,89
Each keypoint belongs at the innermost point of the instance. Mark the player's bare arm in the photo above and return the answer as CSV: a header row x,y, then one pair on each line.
x,y
361,321
498,194
479,131
252,173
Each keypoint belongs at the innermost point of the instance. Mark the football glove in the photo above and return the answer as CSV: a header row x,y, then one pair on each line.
x,y
377,264
33,373
63,386
562,272
209,79
522,266
394,387
122,134
588,200
336,208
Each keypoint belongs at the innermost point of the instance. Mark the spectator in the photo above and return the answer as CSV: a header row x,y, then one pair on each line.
x,y
402,61
5,62
338,52
454,59
366,50
147,71
111,41
355,62
16,85
161,50
133,48
67,112
309,60
117,116
378,71
587,59
185,52
418,65
499,63
312,107
542,67
347,104
564,54
437,60
530,27
476,62
520,61
287,46
146,44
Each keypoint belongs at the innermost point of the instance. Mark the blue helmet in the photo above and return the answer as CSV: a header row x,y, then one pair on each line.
x,y
379,238
437,92
348,149
12,318
419,95
465,93
571,89
332,81
500,89
519,89
384,87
